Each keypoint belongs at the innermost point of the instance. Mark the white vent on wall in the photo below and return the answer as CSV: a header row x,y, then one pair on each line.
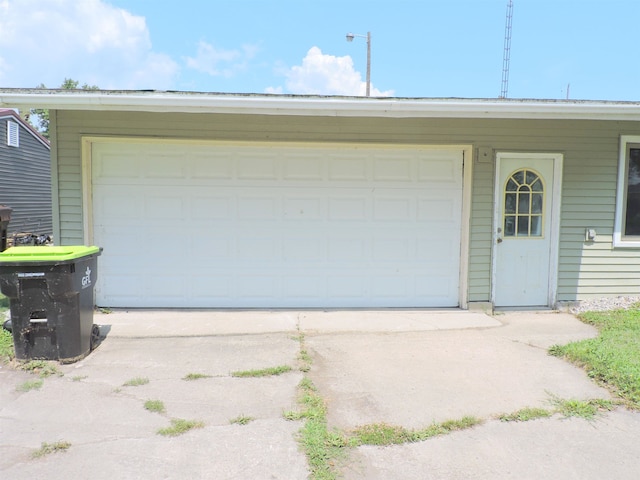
x,y
13,134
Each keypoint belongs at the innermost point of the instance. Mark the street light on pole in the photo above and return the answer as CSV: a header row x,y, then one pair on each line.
x,y
350,37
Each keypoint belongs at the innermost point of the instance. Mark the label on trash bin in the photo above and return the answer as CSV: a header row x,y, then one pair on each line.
x,y
86,279
30,274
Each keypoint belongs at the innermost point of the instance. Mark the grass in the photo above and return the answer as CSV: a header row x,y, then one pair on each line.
x,y
241,420
323,448
384,434
47,448
526,414
180,426
265,372
7,351
587,409
136,382
612,358
30,385
43,368
156,406
195,376
304,359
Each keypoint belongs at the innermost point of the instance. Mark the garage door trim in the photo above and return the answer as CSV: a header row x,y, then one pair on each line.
x,y
89,141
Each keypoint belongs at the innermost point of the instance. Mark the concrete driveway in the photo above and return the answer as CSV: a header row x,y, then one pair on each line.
x,y
407,368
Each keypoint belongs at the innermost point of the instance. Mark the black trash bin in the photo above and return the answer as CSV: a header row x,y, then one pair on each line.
x,y
50,291
5,218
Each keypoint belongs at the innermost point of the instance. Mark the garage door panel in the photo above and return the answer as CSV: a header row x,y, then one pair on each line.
x,y
210,286
211,207
395,250
258,207
345,167
435,286
117,204
257,167
352,250
302,166
164,166
392,209
391,287
211,166
345,286
310,226
253,286
305,288
116,167
308,208
348,208
394,169
438,210
311,250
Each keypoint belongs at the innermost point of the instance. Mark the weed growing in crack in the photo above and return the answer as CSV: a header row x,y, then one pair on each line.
x,y
136,382
195,376
47,448
42,368
384,434
180,426
30,385
525,414
265,372
587,409
156,406
241,420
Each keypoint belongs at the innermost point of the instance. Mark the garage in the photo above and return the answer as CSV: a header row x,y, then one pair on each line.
x,y
274,225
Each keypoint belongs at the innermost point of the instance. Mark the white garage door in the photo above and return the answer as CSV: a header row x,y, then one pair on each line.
x,y
266,225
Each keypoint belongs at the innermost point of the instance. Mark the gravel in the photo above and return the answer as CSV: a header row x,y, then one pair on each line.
x,y
604,304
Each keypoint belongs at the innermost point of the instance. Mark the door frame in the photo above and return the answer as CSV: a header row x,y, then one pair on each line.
x,y
554,247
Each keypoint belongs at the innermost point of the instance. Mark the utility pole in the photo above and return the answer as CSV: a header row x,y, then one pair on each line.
x,y
507,51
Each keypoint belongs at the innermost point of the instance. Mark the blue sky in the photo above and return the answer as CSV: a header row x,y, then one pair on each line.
x,y
428,48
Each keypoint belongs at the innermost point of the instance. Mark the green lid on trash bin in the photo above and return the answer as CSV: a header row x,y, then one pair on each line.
x,y
28,254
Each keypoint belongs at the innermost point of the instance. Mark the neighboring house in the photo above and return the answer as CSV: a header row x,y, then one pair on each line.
x,y
25,176
218,200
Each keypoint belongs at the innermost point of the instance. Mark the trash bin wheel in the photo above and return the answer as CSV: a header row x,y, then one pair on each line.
x,y
95,336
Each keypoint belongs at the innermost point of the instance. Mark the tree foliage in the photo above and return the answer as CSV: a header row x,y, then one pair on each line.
x,y
39,117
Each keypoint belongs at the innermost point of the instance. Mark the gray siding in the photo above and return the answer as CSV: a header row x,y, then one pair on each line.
x,y
25,182
590,151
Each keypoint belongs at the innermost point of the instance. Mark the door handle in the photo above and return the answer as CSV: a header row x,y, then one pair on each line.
x,y
499,240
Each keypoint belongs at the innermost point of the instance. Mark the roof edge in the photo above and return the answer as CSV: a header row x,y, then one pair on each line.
x,y
268,104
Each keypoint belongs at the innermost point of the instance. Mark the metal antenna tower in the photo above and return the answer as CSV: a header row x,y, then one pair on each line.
x,y
507,51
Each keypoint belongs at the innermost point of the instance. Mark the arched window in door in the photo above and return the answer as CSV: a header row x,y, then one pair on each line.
x,y
523,208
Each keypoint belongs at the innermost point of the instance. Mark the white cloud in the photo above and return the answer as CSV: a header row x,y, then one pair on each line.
x,y
88,40
273,90
322,74
219,62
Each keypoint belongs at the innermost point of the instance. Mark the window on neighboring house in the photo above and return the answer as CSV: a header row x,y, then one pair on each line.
x,y
13,134
627,226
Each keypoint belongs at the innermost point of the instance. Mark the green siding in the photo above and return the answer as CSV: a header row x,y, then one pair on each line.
x,y
590,150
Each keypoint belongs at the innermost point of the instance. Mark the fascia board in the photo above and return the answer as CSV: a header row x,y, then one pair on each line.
x,y
324,106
